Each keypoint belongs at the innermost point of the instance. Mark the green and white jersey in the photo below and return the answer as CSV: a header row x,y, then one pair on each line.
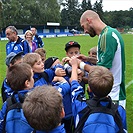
x,y
111,55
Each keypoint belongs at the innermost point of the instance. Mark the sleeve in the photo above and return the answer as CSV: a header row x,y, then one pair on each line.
x,y
40,42
6,91
7,49
3,92
106,50
63,88
26,48
51,74
2,116
122,113
78,99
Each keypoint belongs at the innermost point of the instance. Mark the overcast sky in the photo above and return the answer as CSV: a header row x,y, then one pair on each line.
x,y
112,5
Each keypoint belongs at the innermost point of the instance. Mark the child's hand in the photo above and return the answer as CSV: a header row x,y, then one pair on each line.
x,y
65,60
74,61
60,72
59,79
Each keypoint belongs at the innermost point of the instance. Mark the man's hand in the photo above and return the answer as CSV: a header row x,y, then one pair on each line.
x,y
82,57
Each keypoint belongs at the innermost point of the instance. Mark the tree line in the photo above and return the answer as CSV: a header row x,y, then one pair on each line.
x,y
65,12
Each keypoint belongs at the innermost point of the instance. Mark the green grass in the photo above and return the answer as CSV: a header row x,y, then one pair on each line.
x,y
55,47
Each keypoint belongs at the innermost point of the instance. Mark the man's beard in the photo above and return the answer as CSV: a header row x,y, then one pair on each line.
x,y
92,33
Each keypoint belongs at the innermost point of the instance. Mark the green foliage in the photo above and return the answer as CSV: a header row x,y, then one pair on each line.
x,y
42,11
55,47
70,14
119,18
98,7
30,12
86,5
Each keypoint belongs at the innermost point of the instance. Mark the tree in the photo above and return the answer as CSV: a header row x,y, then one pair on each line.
x,y
42,11
131,16
98,7
0,16
86,5
30,12
70,13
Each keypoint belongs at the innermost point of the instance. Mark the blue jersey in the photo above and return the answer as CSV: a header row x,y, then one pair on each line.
x,y
65,90
38,41
6,90
4,109
59,129
79,103
18,46
39,80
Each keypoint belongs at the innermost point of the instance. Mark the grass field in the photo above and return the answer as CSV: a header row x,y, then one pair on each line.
x,y
55,47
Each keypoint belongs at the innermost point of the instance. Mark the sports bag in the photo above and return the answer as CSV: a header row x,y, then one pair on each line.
x,y
100,119
15,122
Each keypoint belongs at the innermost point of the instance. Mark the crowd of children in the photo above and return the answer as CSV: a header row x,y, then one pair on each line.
x,y
53,93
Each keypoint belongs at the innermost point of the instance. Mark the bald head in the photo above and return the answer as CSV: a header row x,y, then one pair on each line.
x,y
89,14
91,23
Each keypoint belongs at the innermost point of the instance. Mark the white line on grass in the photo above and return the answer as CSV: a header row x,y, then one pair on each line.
x,y
129,83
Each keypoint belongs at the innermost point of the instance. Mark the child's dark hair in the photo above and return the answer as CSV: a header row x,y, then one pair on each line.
x,y
17,75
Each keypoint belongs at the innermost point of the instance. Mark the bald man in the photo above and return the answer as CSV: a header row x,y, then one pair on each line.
x,y
110,52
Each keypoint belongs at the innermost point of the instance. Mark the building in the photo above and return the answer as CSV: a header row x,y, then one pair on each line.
x,y
49,30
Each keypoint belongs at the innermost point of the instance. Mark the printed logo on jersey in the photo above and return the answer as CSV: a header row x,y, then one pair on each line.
x,y
15,48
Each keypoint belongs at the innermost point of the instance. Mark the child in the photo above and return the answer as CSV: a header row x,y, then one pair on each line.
x,y
93,52
20,79
100,81
92,56
41,76
51,62
35,61
11,60
72,48
92,60
61,83
42,53
43,109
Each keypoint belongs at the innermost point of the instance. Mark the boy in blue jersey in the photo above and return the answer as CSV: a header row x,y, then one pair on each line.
x,y
72,48
43,109
15,44
11,60
35,61
20,79
100,81
63,86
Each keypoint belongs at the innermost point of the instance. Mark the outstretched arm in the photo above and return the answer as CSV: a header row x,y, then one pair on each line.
x,y
74,63
81,64
84,58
